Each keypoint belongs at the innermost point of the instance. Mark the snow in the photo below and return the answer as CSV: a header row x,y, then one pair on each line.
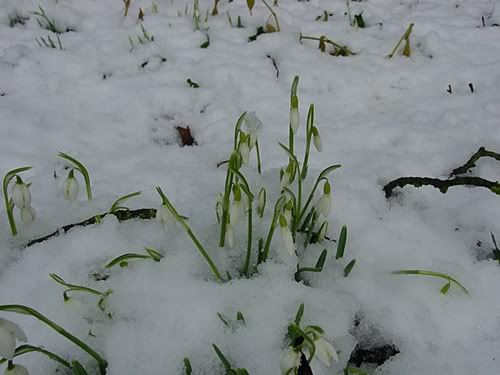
x,y
380,118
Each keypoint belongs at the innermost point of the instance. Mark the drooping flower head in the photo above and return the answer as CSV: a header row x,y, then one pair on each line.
x,y
9,332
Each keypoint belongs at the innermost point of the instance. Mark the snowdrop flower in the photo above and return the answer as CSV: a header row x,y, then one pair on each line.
x,y
71,187
286,236
288,175
317,139
325,351
253,125
164,216
261,202
290,361
28,214
16,370
294,114
21,195
234,214
324,204
9,332
229,237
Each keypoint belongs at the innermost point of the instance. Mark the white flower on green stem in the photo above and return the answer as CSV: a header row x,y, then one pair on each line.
x,y
253,126
21,196
229,236
286,236
294,114
71,187
325,351
317,139
164,216
288,175
16,370
290,362
9,332
28,214
324,204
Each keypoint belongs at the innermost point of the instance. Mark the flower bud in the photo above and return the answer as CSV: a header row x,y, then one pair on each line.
x,y
286,236
71,187
317,139
294,114
21,196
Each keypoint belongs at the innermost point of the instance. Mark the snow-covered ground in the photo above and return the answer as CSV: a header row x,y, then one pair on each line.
x,y
116,109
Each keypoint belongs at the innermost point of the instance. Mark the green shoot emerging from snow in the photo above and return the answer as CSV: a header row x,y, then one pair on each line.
x,y
117,205
406,38
103,296
444,289
123,260
309,339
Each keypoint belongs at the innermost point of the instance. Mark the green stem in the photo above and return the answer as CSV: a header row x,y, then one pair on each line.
x,y
20,309
277,209
249,239
309,126
190,234
225,206
259,168
24,349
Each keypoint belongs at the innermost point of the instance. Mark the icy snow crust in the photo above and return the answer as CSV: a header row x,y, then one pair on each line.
x,y
379,118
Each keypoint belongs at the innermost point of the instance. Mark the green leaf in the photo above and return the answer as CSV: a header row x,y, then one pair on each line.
x,y
224,320
240,318
359,20
432,274
321,260
77,368
223,359
119,201
300,314
342,242
188,370
349,267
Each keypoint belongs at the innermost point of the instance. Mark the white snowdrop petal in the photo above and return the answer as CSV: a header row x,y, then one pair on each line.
x,y
7,342
15,329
